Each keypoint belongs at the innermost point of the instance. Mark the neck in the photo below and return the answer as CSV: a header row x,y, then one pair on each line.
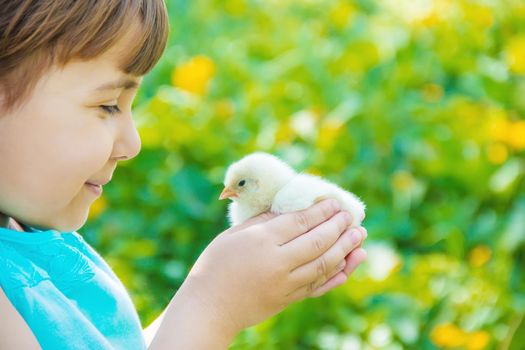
x,y
10,223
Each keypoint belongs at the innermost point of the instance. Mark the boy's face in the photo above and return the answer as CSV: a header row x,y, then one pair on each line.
x,y
61,139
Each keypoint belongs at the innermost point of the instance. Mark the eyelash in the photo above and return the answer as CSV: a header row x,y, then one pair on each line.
x,y
110,109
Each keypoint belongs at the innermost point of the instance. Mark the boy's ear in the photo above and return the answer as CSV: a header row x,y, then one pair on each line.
x,y
3,100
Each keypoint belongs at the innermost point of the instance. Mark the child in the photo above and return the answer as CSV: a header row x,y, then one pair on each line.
x,y
69,71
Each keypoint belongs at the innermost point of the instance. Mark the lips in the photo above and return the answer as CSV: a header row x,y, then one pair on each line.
x,y
96,189
95,185
98,183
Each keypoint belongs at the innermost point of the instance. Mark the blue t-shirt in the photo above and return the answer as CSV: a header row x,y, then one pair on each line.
x,y
66,292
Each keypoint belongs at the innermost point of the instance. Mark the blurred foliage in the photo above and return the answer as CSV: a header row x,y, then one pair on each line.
x,y
416,106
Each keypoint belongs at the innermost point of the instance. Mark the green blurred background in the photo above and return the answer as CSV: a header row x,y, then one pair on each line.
x,y
417,106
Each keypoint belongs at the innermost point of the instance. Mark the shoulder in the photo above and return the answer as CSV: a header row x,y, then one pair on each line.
x,y
14,331
90,253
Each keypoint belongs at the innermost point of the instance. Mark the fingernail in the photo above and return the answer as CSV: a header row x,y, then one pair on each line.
x,y
355,236
365,233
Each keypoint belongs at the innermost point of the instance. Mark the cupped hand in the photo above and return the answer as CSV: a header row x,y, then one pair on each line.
x,y
252,271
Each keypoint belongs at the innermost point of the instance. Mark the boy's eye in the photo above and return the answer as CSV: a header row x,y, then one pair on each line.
x,y
113,109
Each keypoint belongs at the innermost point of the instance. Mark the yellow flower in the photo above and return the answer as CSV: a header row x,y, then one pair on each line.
x,y
509,132
235,7
479,15
478,340
497,153
284,134
432,19
497,128
194,76
515,54
359,57
435,15
97,207
448,335
516,135
340,14
479,256
328,134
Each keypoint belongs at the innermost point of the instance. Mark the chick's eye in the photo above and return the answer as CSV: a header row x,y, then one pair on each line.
x,y
112,109
242,182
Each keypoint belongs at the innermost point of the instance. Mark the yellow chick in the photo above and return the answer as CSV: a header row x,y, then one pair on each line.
x,y
261,182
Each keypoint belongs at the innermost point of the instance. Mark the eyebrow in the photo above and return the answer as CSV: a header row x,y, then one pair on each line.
x,y
125,83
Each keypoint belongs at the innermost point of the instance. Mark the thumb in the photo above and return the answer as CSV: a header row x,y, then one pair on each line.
x,y
267,215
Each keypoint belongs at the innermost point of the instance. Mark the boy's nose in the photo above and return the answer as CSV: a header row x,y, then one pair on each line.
x,y
127,145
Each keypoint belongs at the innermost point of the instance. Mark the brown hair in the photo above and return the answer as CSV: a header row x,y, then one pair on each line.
x,y
37,34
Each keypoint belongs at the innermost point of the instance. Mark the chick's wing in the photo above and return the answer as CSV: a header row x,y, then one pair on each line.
x,y
304,190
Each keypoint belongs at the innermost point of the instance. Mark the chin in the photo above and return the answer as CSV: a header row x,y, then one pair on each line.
x,y
69,223
68,228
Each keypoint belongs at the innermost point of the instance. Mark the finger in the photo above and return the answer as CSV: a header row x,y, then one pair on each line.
x,y
316,242
315,290
263,217
353,260
350,262
322,267
337,280
288,226
339,267
364,234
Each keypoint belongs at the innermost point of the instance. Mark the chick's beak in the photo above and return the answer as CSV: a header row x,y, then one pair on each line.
x,y
227,193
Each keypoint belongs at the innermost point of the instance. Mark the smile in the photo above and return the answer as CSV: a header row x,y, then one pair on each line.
x,y
96,189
